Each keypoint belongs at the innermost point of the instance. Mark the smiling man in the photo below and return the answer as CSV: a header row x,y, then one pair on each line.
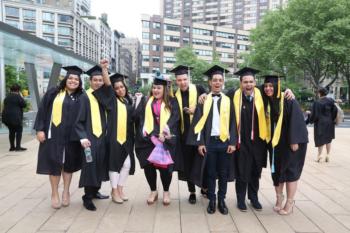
x,y
213,130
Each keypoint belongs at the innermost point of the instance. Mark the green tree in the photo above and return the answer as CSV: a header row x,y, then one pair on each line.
x,y
304,40
12,76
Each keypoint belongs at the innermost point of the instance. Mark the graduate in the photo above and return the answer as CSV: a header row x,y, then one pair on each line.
x,y
92,129
187,95
213,130
157,119
287,137
121,140
60,152
251,154
323,115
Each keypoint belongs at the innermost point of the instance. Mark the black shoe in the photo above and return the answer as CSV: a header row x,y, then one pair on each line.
x,y
222,207
204,193
88,204
242,206
256,205
98,195
192,199
20,149
12,149
211,207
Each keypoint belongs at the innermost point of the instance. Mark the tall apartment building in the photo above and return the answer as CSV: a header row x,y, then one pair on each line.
x,y
161,37
243,14
115,52
134,46
125,62
105,35
56,23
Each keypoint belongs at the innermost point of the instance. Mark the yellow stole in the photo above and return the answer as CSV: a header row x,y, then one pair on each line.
x,y
122,122
148,122
192,102
259,105
224,116
57,108
277,131
95,114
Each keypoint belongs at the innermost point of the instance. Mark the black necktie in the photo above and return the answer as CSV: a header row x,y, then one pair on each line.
x,y
217,95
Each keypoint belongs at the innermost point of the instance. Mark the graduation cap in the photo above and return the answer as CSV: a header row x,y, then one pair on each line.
x,y
94,71
159,79
246,71
73,70
181,69
215,70
117,77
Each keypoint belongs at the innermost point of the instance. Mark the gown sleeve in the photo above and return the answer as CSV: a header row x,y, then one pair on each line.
x,y
106,97
192,138
233,128
43,112
80,126
297,127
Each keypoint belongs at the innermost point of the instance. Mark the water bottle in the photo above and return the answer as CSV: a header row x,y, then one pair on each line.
x,y
88,156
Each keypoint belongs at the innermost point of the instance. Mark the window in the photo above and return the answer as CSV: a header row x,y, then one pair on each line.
x,y
169,49
225,35
145,24
243,37
186,29
155,36
145,58
202,32
186,40
49,39
155,48
156,25
145,35
145,47
47,16
171,38
242,47
13,23
203,52
29,26
48,28
28,14
65,42
169,59
145,70
66,31
202,42
155,69
171,27
65,19
225,45
155,59
12,11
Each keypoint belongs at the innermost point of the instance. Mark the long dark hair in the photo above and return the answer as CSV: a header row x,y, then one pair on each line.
x,y
166,96
127,96
274,102
63,83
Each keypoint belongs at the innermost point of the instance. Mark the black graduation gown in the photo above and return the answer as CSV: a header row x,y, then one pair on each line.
x,y
63,149
251,156
93,173
12,114
199,162
188,151
144,145
323,116
118,153
289,164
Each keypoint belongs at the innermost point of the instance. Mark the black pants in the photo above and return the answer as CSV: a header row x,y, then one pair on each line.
x,y
252,186
191,187
151,176
90,192
15,133
217,164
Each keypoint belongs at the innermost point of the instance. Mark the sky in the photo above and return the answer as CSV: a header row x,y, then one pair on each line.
x,y
125,15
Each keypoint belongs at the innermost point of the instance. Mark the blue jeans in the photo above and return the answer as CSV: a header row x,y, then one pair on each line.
x,y
217,165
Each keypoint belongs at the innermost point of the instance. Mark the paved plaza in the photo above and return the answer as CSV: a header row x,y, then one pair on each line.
x,y
322,201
